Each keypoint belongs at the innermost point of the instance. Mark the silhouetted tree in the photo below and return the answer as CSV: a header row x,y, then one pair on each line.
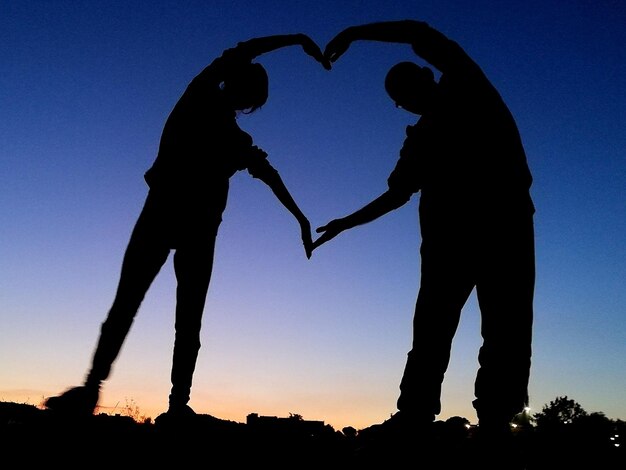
x,y
596,429
559,412
571,435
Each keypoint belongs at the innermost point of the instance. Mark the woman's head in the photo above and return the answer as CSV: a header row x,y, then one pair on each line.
x,y
410,86
246,86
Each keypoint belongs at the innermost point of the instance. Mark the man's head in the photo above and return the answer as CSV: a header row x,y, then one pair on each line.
x,y
246,86
411,87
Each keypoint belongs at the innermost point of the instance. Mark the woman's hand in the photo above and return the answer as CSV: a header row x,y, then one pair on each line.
x,y
307,241
312,49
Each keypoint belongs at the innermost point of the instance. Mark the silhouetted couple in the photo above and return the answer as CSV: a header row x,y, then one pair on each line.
x,y
464,156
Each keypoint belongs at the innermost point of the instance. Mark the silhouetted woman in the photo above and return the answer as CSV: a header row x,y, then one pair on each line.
x,y
201,147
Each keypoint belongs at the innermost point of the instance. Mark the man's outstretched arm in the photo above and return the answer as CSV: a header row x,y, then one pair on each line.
x,y
403,31
383,204
431,45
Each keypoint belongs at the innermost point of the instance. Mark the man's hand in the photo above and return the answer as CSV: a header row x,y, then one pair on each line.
x,y
337,46
330,231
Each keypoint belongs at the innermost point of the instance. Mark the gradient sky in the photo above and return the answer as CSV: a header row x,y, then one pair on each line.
x,y
85,88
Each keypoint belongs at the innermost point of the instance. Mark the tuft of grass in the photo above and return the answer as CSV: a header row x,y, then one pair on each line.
x,y
131,409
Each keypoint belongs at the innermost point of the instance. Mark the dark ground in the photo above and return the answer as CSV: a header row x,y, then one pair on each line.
x,y
31,437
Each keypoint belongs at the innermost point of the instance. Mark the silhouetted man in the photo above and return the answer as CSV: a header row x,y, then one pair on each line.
x,y
465,157
201,148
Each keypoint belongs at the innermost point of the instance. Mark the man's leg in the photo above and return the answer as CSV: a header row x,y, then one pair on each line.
x,y
445,287
505,295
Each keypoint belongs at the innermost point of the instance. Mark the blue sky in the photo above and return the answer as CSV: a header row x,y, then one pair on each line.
x,y
85,89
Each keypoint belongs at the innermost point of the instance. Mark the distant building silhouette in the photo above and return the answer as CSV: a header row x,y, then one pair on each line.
x,y
292,424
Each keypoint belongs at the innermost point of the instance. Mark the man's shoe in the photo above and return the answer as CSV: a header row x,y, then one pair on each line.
x,y
400,425
390,442
76,401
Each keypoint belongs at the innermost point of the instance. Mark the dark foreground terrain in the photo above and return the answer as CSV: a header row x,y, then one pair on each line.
x,y
32,437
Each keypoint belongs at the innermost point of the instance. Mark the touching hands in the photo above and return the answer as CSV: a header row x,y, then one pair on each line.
x,y
329,231
311,48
